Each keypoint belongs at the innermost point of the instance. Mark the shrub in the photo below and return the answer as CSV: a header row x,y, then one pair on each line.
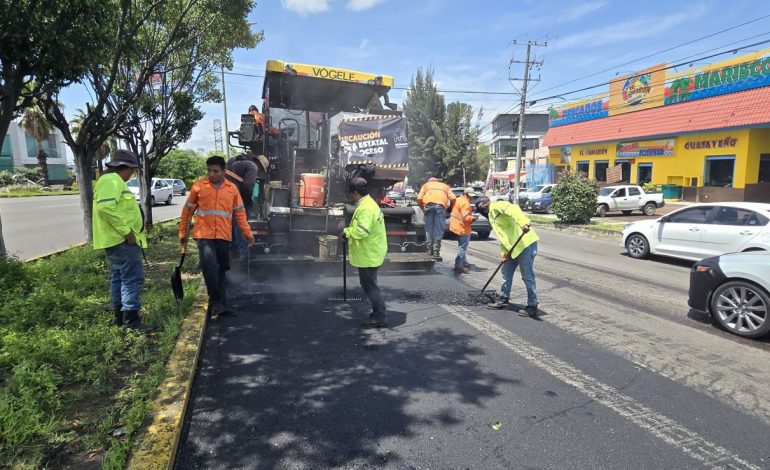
x,y
32,174
574,198
6,178
650,188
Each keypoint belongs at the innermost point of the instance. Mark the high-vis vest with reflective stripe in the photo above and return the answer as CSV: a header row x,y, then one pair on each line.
x,y
115,213
214,211
366,235
435,192
507,220
462,217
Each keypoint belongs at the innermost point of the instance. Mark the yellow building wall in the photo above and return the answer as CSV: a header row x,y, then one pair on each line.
x,y
686,163
759,143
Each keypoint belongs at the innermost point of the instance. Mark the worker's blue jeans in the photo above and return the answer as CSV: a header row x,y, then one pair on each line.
x,y
435,224
462,247
525,260
126,276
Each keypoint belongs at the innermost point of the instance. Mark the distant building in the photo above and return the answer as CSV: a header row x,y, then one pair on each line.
x,y
20,150
504,133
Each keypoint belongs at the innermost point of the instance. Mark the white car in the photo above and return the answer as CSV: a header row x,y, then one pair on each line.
x,y
735,290
701,231
161,190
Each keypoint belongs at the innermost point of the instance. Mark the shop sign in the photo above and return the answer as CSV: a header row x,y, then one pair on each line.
x,y
641,90
744,73
711,144
590,152
565,155
584,110
649,148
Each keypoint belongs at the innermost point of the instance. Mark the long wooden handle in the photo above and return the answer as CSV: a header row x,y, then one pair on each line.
x,y
502,262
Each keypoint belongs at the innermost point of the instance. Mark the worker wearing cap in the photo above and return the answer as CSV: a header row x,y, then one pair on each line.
x,y
510,224
435,198
460,224
118,229
368,245
215,202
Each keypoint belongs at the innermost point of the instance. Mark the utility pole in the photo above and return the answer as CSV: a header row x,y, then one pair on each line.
x,y
224,101
528,63
218,135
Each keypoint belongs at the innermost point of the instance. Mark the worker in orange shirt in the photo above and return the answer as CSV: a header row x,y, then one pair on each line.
x,y
265,130
460,224
435,198
215,202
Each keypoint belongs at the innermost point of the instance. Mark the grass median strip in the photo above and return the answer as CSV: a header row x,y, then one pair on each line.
x,y
74,389
29,192
592,226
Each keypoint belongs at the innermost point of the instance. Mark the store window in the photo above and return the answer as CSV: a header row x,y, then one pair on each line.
x,y
582,167
644,173
600,170
764,168
719,171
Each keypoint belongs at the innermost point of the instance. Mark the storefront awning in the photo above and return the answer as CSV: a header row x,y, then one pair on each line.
x,y
741,109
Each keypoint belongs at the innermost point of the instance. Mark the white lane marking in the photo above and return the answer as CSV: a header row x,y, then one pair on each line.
x,y
689,442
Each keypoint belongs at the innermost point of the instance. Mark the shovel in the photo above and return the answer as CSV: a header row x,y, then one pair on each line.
x,y
483,296
344,297
176,275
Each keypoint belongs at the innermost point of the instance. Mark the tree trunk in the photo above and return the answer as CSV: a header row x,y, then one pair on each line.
x,y
42,162
145,185
2,240
83,161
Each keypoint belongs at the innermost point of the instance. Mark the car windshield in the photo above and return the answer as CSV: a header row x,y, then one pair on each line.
x,y
132,183
606,191
536,189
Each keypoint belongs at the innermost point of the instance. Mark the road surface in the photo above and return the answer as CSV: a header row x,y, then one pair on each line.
x,y
616,373
34,226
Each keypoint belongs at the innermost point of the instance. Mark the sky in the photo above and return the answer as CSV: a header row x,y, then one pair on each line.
x,y
470,45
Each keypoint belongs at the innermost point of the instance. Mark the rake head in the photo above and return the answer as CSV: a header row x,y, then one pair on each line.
x,y
344,298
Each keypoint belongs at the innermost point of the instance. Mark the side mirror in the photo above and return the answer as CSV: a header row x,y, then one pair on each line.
x,y
664,219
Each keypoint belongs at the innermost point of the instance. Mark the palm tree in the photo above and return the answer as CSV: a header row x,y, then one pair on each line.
x,y
37,127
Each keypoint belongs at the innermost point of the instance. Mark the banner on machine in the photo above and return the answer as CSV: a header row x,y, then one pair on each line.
x,y
374,139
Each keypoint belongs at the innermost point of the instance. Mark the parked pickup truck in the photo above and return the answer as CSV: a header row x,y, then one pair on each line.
x,y
627,199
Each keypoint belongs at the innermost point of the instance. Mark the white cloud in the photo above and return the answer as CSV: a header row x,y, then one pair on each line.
x,y
361,5
364,44
580,11
306,7
617,33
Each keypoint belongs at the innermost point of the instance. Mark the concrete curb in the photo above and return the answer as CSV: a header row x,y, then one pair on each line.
x,y
157,444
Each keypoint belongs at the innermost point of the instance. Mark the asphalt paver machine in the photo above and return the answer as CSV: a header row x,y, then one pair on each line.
x,y
316,129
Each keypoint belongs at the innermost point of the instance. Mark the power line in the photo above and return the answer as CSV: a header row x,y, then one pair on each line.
x,y
659,52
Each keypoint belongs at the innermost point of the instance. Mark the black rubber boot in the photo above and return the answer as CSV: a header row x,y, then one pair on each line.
x,y
131,321
118,316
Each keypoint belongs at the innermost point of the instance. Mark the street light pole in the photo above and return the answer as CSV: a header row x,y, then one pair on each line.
x,y
224,101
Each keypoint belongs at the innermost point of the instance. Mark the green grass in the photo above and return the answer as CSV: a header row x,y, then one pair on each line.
x,y
28,192
539,219
68,378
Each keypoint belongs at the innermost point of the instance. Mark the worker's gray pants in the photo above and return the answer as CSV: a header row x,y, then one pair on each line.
x,y
214,262
368,279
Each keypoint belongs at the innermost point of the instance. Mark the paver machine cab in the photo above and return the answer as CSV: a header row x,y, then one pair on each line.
x,y
318,128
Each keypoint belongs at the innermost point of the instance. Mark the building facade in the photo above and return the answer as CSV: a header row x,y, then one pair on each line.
x,y
20,150
504,133
704,131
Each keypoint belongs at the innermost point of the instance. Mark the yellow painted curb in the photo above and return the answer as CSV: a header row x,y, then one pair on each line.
x,y
157,445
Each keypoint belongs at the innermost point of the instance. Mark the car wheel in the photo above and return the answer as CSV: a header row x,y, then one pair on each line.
x,y
627,212
741,308
649,209
152,200
637,246
184,191
168,201
483,235
601,211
